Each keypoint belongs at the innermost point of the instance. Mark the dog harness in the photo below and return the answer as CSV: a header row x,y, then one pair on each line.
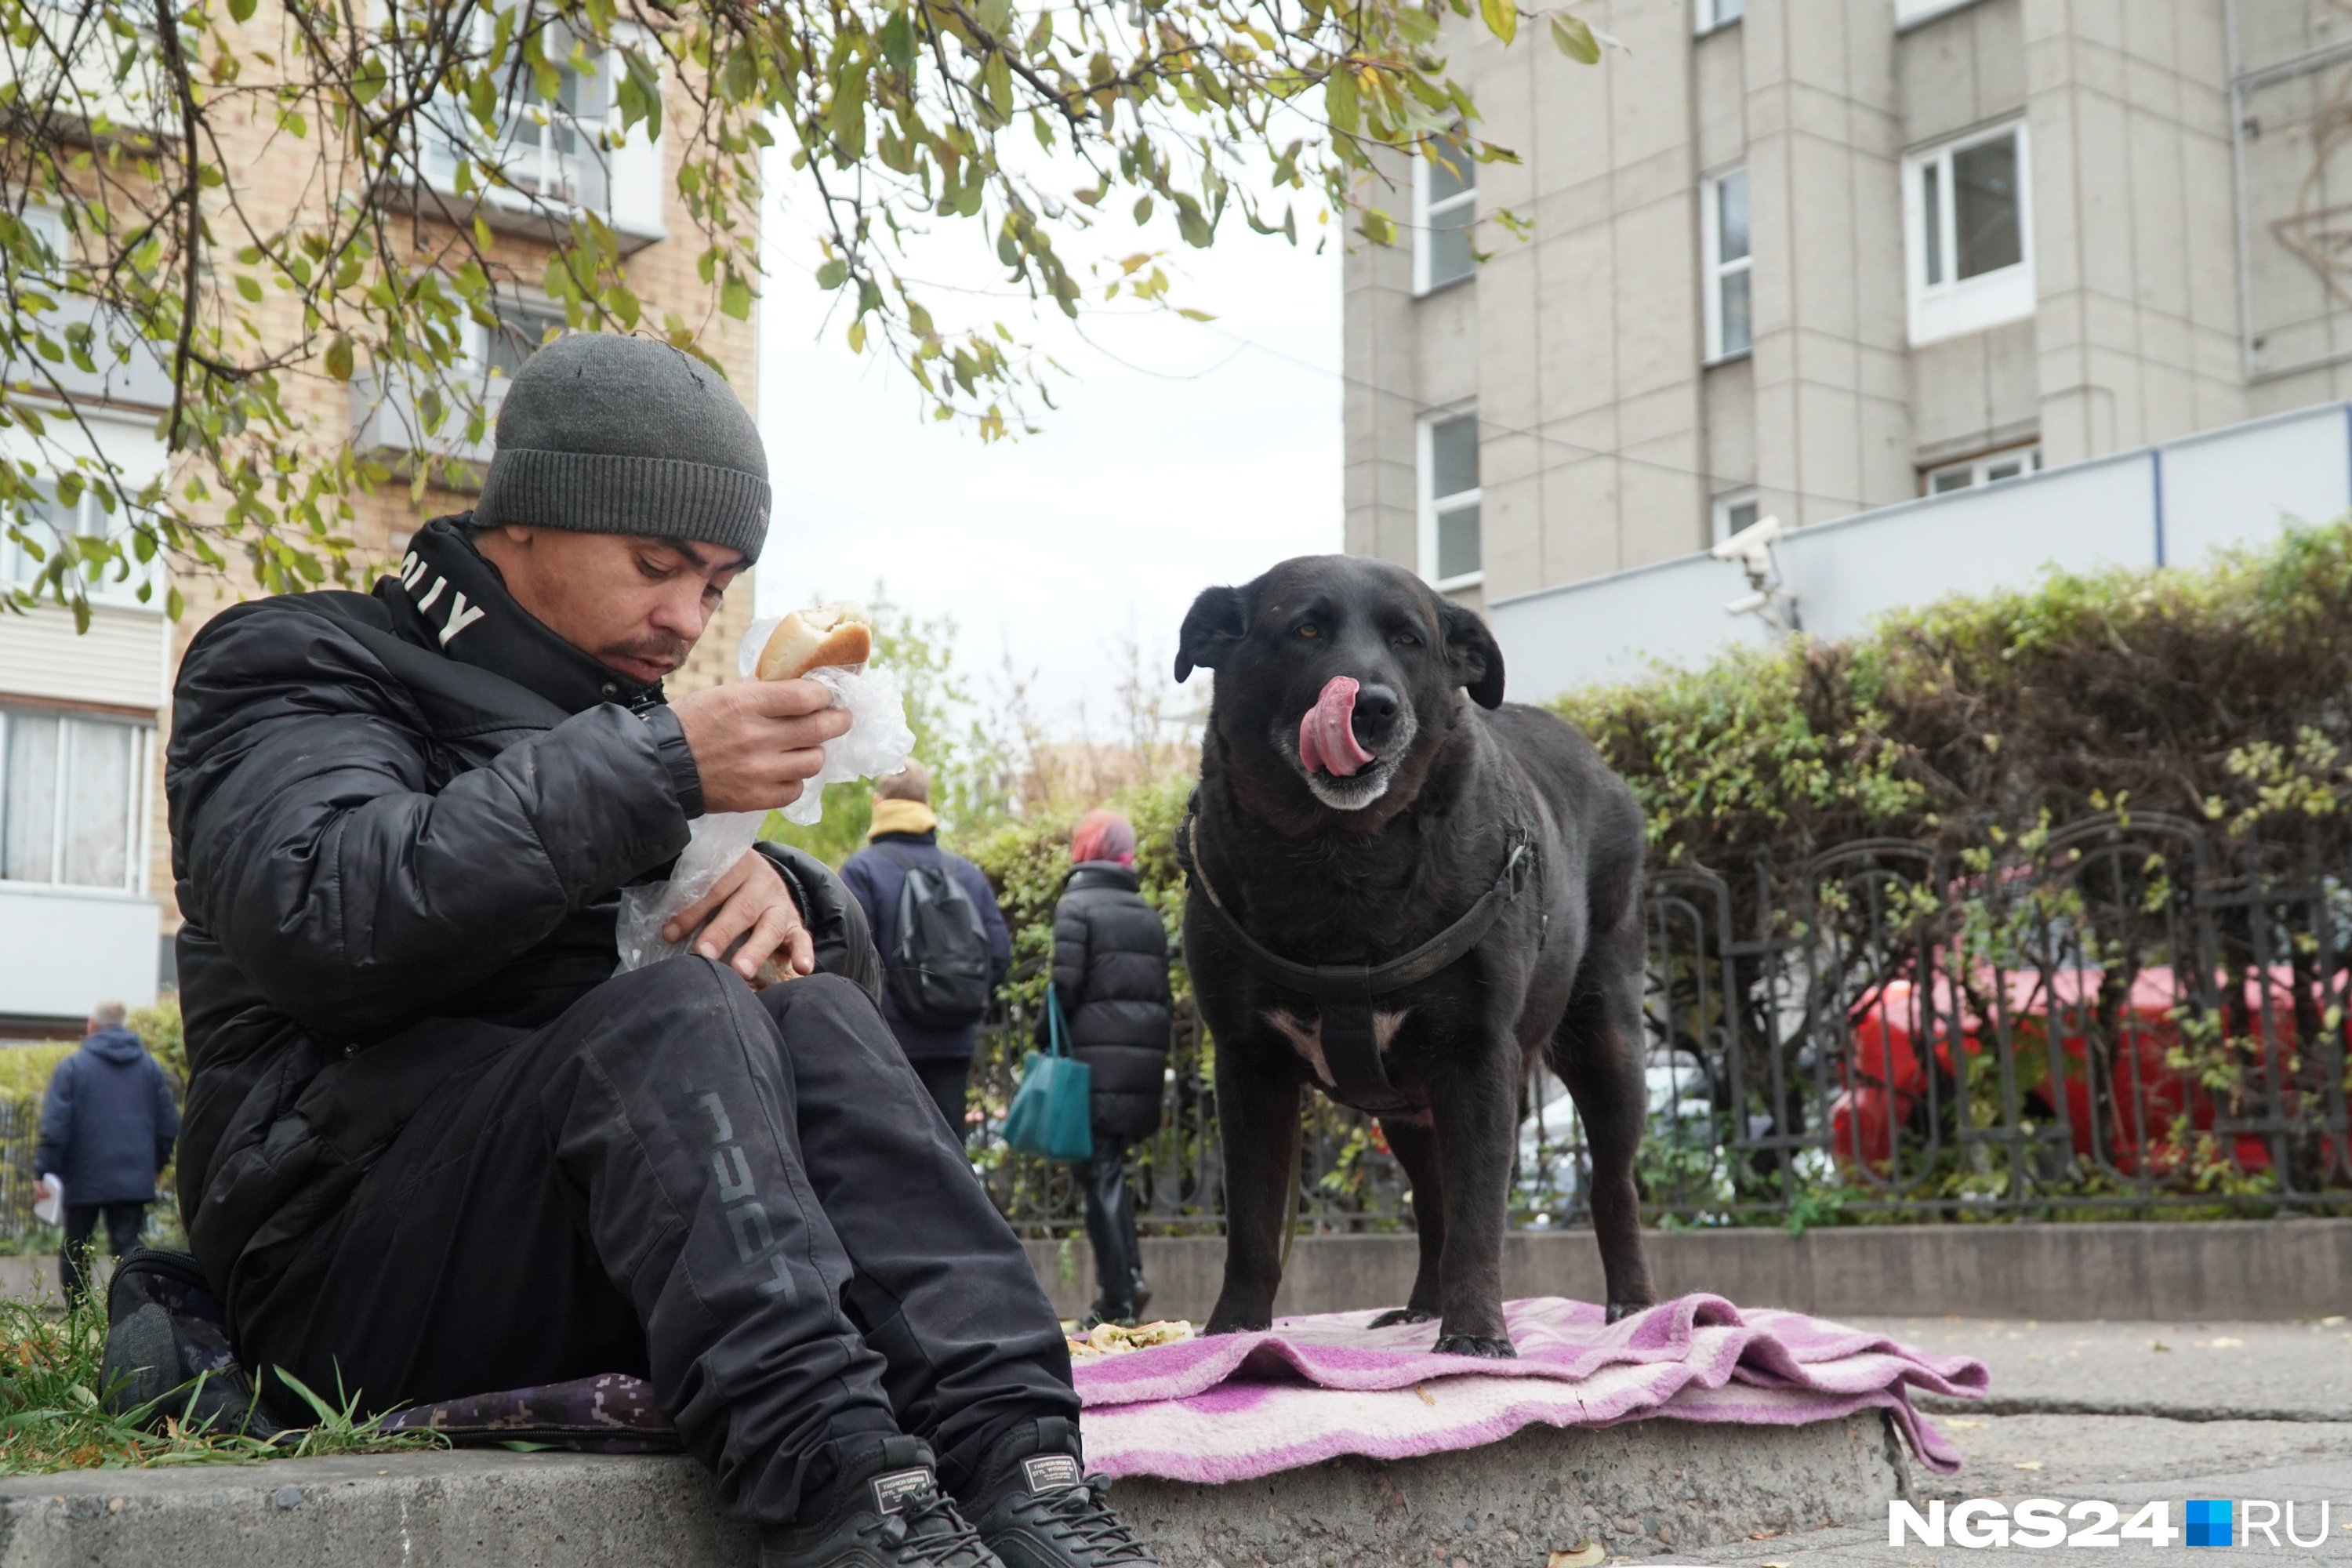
x,y
1344,993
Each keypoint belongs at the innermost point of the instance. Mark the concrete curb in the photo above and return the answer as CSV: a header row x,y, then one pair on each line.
x,y
1636,1488
2274,1270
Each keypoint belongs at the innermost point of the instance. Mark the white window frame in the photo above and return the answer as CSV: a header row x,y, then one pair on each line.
x,y
1957,306
1715,270
2025,460
1722,525
1424,476
138,802
91,520
1423,215
1710,15
632,169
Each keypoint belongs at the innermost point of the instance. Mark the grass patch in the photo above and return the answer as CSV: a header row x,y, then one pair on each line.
x,y
53,1414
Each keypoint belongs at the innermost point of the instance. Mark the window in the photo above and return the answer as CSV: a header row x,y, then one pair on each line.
x,y
1991,469
70,799
47,520
1450,555
1969,248
1445,202
1713,14
1730,330
1733,512
523,326
555,152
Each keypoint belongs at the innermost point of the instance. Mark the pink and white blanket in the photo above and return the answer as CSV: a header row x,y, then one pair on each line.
x,y
1244,1405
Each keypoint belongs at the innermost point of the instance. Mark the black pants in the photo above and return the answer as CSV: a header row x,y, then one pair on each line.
x,y
948,1081
123,1224
1110,1227
748,1200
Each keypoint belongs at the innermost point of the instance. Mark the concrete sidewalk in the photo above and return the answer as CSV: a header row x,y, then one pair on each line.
x,y
2098,1411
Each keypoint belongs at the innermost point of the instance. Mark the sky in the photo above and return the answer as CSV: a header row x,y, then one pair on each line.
x,y
1183,454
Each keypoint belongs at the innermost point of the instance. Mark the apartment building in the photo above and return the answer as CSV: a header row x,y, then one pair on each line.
x,y
1810,258
86,907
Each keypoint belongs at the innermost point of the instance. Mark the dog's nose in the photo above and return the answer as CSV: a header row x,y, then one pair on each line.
x,y
1376,709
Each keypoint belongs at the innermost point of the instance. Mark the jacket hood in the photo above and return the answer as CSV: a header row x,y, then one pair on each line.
x,y
1104,874
118,1045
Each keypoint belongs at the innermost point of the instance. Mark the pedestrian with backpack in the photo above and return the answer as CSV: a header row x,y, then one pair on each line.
x,y
1111,970
944,945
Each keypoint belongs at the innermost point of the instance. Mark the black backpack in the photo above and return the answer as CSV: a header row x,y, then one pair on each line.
x,y
938,969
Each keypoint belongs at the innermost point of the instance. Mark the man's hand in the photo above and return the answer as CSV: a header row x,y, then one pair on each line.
x,y
42,1190
754,741
750,902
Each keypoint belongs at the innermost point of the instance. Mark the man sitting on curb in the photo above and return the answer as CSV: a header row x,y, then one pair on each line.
x,y
436,1147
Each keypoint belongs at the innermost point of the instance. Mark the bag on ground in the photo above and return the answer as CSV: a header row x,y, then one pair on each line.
x,y
938,969
1053,1112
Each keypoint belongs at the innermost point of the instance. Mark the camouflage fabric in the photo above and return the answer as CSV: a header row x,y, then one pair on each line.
x,y
608,1413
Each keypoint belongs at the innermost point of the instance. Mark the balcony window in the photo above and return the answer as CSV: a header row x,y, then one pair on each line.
x,y
1991,468
1969,249
554,154
1450,547
1713,14
1445,203
1723,234
46,522
70,800
385,413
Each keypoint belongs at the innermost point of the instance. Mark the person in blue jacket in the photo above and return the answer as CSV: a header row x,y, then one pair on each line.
x,y
107,1127
905,832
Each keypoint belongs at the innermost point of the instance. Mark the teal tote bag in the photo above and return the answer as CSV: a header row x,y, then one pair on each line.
x,y
1052,1111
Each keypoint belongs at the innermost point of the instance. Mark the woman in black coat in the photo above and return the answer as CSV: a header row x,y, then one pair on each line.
x,y
1110,968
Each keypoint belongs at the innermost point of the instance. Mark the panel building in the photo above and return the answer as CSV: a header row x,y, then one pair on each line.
x,y
1810,258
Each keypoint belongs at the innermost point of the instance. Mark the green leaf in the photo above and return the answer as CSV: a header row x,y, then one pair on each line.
x,y
735,297
1339,101
248,288
833,274
999,76
338,358
1378,227
1574,36
241,10
1502,18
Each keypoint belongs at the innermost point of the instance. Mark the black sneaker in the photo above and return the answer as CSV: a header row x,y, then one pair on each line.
x,y
884,1511
1035,1507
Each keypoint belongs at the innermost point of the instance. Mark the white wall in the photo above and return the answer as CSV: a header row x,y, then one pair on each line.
x,y
2171,505
66,948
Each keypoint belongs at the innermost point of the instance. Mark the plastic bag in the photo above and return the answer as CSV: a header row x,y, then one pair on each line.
x,y
879,742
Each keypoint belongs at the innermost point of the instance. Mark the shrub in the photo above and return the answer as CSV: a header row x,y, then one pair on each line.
x,y
2218,694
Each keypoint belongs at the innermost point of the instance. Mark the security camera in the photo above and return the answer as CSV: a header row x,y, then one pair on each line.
x,y
1750,542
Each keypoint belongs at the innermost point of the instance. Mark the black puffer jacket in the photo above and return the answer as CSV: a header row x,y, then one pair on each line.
x,y
400,824
1110,966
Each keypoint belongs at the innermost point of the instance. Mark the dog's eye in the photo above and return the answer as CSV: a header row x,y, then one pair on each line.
x,y
1406,639
1310,630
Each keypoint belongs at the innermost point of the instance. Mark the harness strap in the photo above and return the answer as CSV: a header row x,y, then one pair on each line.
x,y
1344,993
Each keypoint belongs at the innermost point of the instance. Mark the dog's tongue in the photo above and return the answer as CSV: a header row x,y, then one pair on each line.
x,y
1327,736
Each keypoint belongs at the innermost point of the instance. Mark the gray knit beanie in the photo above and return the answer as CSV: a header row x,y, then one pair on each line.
x,y
613,434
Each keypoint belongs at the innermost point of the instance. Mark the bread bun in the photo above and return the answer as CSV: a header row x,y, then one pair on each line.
x,y
814,639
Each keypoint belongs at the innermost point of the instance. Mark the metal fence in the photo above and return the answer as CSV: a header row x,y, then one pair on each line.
x,y
2133,1014
20,1132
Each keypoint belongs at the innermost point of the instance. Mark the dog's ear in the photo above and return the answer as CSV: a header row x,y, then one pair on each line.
x,y
1477,659
1218,620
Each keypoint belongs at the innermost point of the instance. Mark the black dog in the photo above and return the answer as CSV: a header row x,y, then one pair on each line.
x,y
1397,896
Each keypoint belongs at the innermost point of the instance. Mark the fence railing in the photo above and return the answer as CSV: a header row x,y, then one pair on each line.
x,y
2132,1015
